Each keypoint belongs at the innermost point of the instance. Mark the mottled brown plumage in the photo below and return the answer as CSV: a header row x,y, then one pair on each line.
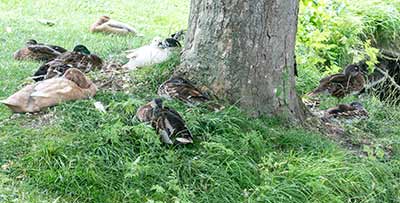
x,y
341,84
38,51
354,109
183,90
145,113
167,122
79,58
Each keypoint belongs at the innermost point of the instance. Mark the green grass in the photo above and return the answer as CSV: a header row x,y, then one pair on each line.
x,y
82,155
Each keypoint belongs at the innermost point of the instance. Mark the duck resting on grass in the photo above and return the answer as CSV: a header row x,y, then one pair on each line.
x,y
166,121
73,85
38,51
145,113
79,58
354,109
179,88
341,84
107,25
156,52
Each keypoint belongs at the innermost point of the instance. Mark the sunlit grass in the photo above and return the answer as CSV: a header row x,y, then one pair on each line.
x,y
82,155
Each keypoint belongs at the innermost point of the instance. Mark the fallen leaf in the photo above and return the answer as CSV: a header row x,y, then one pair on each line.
x,y
99,106
8,29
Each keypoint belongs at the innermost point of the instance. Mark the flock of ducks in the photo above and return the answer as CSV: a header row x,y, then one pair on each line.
x,y
62,78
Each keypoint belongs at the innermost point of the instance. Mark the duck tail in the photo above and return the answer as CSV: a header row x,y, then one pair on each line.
x,y
185,137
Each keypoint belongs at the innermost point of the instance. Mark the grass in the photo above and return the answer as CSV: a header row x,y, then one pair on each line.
x,y
73,153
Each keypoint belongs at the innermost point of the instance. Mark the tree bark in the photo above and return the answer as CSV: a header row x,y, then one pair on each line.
x,y
243,50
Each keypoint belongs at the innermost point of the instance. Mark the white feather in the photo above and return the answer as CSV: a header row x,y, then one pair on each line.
x,y
147,55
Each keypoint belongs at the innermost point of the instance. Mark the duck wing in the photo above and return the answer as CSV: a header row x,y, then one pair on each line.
x,y
330,83
183,90
181,133
120,25
44,52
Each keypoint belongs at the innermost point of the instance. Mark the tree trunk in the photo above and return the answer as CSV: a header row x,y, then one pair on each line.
x,y
243,50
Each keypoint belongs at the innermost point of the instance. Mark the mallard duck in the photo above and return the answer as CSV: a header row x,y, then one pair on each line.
x,y
156,52
169,124
354,109
183,90
80,58
106,24
341,84
73,85
38,51
145,113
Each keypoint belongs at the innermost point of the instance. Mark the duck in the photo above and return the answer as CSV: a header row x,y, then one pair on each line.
x,y
179,88
341,84
38,51
156,52
80,58
354,109
73,85
145,113
107,25
169,124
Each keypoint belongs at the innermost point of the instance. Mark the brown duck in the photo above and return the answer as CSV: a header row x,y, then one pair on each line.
x,y
169,124
341,84
80,58
73,85
145,113
38,51
354,109
183,90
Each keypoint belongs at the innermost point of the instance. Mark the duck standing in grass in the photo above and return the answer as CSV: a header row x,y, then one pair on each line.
x,y
341,84
79,58
38,51
354,109
73,85
156,52
107,25
166,121
181,89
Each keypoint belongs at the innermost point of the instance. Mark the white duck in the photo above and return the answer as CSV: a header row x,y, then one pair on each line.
x,y
156,52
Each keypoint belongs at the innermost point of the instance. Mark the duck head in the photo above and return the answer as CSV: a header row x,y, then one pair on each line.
x,y
103,19
352,70
76,76
178,80
178,35
156,105
169,42
81,49
357,105
31,42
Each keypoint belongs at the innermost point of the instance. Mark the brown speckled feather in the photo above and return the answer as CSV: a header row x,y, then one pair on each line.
x,y
181,89
354,109
341,84
38,51
171,127
59,65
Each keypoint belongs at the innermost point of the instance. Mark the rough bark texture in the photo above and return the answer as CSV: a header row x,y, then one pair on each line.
x,y
243,50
